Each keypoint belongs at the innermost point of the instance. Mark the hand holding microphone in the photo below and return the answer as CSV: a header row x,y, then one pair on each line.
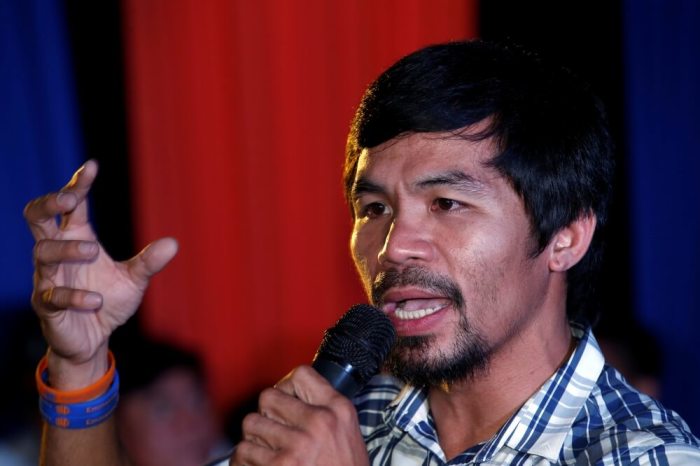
x,y
308,418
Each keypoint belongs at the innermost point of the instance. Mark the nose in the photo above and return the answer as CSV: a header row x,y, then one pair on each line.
x,y
406,241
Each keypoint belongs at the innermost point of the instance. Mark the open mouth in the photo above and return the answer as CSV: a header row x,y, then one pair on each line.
x,y
416,308
418,313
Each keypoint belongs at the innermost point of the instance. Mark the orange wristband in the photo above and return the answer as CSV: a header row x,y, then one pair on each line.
x,y
73,396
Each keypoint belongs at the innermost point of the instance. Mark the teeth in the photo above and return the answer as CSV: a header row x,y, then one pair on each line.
x,y
417,314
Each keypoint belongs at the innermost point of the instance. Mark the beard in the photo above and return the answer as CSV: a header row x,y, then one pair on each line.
x,y
417,360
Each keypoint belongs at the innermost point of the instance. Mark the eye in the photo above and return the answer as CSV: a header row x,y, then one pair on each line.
x,y
445,204
373,210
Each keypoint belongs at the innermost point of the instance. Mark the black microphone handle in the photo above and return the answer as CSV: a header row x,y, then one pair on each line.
x,y
340,376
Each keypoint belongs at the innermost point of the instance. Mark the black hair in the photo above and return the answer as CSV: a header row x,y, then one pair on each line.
x,y
142,360
553,143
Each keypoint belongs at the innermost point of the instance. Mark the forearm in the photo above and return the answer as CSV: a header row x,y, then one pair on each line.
x,y
96,446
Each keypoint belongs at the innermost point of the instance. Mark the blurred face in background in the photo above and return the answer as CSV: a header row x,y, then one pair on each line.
x,y
170,422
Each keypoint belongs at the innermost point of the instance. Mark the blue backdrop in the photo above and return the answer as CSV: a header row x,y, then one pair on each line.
x,y
662,68
40,140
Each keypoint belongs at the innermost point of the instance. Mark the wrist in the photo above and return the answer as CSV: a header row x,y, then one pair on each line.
x,y
68,374
78,408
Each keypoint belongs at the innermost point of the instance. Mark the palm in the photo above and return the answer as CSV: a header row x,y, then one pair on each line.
x,y
77,334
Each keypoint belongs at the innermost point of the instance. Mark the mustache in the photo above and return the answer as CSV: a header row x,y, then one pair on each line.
x,y
416,276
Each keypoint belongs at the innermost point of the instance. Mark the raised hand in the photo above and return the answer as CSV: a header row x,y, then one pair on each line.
x,y
80,293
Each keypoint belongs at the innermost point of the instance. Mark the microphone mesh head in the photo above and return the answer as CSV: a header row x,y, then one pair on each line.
x,y
362,338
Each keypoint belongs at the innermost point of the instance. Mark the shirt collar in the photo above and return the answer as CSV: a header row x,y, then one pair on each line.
x,y
544,421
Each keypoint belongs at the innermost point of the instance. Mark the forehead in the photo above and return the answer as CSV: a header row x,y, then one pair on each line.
x,y
417,156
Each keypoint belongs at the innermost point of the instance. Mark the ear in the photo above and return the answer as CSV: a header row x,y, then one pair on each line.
x,y
570,243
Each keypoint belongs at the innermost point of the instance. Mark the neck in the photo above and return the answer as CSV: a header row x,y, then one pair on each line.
x,y
473,410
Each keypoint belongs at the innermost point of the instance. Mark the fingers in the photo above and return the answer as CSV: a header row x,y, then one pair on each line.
x,y
60,298
70,201
282,407
80,185
301,395
41,213
250,453
152,259
263,431
50,254
53,252
266,440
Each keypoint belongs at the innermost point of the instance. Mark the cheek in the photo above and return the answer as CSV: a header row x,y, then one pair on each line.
x,y
481,277
485,271
364,253
500,284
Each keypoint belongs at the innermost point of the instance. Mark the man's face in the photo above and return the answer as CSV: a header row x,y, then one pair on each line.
x,y
169,422
442,244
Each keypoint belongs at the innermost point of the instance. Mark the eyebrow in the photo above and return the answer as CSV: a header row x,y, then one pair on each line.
x,y
454,179
364,186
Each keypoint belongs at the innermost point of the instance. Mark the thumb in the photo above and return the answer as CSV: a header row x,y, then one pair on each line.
x,y
152,259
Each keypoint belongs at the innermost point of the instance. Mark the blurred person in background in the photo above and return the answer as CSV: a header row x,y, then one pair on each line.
x,y
164,416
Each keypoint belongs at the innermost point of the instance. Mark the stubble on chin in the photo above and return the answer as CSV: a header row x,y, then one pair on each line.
x,y
419,361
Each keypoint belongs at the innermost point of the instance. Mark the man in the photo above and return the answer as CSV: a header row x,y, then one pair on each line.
x,y
477,177
164,415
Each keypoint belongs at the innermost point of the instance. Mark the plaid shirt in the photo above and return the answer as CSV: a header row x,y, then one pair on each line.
x,y
586,413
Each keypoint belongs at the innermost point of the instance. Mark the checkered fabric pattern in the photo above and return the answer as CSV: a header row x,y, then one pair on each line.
x,y
585,414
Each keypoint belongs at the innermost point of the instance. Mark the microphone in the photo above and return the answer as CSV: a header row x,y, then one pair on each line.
x,y
353,350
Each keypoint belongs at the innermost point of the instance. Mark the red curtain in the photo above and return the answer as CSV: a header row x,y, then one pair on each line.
x,y
239,112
